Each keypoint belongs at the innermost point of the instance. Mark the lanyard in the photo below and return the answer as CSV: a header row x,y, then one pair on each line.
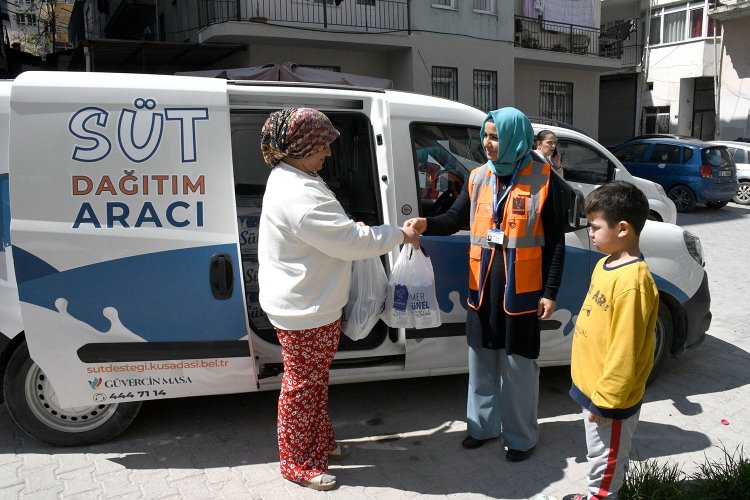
x,y
495,201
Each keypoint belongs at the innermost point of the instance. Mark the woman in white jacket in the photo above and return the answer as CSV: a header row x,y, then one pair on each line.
x,y
306,246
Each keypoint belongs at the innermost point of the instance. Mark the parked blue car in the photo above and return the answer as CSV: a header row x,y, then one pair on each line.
x,y
690,171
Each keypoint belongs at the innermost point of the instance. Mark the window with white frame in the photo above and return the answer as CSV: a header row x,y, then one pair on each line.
x,y
684,21
25,19
484,6
444,4
656,120
445,82
556,100
485,89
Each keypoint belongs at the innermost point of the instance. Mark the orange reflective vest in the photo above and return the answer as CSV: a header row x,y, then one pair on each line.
x,y
522,241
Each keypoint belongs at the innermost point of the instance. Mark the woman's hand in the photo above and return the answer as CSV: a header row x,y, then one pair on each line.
x,y
418,223
411,235
545,308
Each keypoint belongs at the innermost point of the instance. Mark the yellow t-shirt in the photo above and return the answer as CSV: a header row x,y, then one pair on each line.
x,y
613,340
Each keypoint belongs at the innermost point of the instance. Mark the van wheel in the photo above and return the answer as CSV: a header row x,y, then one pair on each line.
x,y
662,340
31,402
683,198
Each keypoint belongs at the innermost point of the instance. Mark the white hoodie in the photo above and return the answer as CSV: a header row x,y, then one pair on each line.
x,y
306,245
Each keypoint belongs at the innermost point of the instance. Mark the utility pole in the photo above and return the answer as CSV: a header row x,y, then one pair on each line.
x,y
52,23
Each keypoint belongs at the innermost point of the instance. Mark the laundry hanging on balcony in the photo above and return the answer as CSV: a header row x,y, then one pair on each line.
x,y
558,12
291,72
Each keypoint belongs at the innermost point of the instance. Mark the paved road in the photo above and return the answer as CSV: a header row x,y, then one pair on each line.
x,y
406,435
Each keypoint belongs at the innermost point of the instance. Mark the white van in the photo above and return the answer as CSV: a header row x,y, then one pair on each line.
x,y
588,164
128,265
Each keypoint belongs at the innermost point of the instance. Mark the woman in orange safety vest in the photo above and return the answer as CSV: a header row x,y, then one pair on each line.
x,y
517,218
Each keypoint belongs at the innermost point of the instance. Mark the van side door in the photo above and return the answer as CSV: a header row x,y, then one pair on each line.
x,y
124,236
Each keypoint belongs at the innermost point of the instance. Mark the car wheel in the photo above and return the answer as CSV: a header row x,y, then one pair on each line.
x,y
683,198
717,204
31,402
662,340
743,194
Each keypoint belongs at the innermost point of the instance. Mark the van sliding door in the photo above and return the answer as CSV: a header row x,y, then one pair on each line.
x,y
124,236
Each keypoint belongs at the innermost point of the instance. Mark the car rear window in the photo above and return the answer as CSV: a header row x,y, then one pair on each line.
x,y
716,156
688,153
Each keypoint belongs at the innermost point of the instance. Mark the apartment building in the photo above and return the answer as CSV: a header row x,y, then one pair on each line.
x,y
673,88
544,57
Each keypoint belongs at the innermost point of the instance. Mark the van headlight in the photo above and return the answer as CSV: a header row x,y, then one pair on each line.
x,y
660,189
694,247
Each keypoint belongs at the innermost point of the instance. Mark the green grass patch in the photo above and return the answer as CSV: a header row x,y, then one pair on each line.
x,y
727,478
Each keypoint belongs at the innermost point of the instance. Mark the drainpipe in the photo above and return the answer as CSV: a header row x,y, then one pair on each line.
x,y
645,60
718,63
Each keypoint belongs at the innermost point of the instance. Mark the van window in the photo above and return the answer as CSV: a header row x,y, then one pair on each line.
x,y
583,163
740,156
444,156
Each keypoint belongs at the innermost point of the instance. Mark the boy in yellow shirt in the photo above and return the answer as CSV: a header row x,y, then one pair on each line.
x,y
613,342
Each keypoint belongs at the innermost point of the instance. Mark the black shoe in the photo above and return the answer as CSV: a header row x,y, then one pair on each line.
x,y
471,443
518,455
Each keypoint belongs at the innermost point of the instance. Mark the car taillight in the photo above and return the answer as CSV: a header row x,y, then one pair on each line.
x,y
706,172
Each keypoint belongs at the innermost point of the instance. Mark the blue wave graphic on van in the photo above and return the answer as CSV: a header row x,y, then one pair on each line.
x,y
450,261
163,296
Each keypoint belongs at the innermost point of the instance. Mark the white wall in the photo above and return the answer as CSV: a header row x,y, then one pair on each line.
x,y
734,107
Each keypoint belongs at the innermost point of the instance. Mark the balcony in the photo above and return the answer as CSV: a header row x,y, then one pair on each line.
x,y
617,42
329,15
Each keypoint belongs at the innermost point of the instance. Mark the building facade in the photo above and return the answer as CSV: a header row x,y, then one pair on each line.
x,y
672,89
486,53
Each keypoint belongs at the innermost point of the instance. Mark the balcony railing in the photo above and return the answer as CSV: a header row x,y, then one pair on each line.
x,y
617,42
333,15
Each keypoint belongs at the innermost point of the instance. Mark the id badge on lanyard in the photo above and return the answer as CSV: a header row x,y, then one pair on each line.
x,y
495,235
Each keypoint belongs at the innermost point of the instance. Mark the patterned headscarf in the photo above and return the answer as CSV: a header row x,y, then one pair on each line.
x,y
515,137
295,132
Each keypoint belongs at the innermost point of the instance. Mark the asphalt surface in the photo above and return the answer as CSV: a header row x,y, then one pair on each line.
x,y
405,435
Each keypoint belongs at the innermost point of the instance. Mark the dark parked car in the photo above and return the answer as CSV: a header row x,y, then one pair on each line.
x,y
690,171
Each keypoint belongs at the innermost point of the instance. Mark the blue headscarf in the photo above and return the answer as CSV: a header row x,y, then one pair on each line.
x,y
515,138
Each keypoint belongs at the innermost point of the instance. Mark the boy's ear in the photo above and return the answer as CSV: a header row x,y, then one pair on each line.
x,y
624,228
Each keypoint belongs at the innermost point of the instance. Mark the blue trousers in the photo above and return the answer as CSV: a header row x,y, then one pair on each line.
x,y
503,397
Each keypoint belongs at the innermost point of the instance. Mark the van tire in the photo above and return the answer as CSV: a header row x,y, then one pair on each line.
x,y
32,405
662,340
683,198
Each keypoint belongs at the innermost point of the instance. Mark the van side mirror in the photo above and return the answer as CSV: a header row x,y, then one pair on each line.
x,y
573,201
576,217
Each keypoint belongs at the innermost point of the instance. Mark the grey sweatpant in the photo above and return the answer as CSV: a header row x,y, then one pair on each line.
x,y
608,449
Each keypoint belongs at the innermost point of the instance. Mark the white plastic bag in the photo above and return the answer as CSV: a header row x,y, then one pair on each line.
x,y
366,298
410,300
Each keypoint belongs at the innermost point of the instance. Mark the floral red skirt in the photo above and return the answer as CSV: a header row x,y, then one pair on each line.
x,y
304,428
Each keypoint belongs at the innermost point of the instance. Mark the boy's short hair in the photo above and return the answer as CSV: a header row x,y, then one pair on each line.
x,y
617,201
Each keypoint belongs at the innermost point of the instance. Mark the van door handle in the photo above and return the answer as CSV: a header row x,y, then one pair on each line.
x,y
221,276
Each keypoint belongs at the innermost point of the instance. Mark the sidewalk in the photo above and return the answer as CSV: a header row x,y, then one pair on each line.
x,y
405,435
